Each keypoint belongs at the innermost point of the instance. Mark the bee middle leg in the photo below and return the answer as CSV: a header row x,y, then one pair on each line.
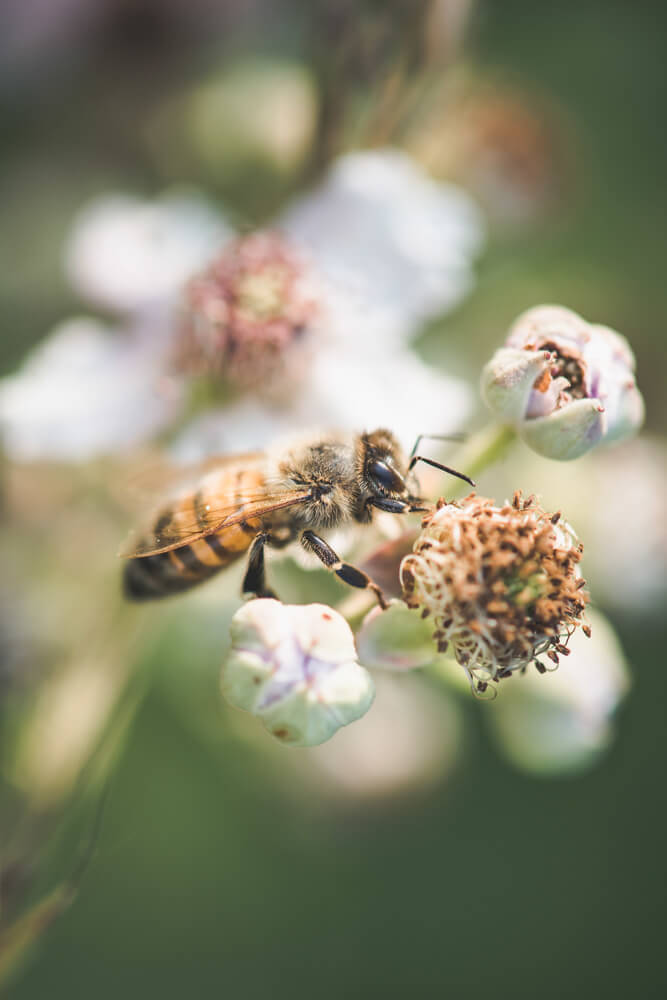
x,y
254,581
345,571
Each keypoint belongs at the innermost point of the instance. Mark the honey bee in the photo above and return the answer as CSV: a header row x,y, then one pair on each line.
x,y
250,501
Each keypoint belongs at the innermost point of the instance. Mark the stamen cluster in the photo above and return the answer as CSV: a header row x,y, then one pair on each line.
x,y
503,584
244,316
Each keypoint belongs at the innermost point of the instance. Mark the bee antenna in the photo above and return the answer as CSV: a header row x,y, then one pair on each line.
x,y
439,465
436,437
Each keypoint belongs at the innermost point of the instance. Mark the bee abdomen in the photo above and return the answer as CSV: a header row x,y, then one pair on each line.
x,y
147,578
160,574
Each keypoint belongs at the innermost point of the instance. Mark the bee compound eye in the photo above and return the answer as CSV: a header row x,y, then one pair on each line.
x,y
385,476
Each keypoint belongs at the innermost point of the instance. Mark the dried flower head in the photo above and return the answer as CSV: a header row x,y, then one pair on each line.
x,y
566,384
244,317
502,583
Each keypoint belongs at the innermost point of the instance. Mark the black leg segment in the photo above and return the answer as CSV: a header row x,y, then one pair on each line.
x,y
396,506
254,581
345,571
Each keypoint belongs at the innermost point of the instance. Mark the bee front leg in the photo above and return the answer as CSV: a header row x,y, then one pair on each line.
x,y
254,581
345,571
396,506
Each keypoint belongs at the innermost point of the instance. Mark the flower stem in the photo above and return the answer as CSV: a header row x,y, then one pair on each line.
x,y
483,449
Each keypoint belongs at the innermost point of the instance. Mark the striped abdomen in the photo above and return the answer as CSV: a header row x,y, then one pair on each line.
x,y
160,574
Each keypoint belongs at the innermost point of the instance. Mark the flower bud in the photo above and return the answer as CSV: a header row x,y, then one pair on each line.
x,y
563,722
295,667
501,585
564,383
397,639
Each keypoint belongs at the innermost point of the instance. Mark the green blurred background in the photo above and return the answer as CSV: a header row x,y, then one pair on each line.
x,y
212,876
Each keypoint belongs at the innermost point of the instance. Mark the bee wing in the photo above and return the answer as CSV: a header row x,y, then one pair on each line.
x,y
152,474
171,530
155,493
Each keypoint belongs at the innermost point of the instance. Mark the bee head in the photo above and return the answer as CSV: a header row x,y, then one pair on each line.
x,y
383,466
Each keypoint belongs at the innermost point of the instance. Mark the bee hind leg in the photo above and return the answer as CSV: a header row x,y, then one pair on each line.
x,y
344,571
254,581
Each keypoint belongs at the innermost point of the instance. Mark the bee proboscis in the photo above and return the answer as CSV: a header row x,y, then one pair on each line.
x,y
250,501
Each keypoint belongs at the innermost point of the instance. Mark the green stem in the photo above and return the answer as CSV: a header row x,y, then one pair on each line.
x,y
486,447
17,939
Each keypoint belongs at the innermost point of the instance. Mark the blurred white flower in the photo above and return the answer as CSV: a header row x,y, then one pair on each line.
x,y
295,667
390,247
393,247
626,567
345,391
564,383
87,389
91,388
392,388
563,721
124,253
396,246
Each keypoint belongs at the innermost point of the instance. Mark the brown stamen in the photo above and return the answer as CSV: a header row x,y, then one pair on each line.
x,y
502,583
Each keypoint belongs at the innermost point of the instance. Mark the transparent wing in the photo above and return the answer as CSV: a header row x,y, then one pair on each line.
x,y
182,522
153,475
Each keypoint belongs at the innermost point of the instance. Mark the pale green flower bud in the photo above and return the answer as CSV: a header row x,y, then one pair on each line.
x,y
508,380
566,433
295,667
396,639
562,722
565,384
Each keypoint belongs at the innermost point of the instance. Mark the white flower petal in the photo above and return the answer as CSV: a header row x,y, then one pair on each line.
x,y
346,390
396,246
124,253
394,389
86,390
315,623
246,425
